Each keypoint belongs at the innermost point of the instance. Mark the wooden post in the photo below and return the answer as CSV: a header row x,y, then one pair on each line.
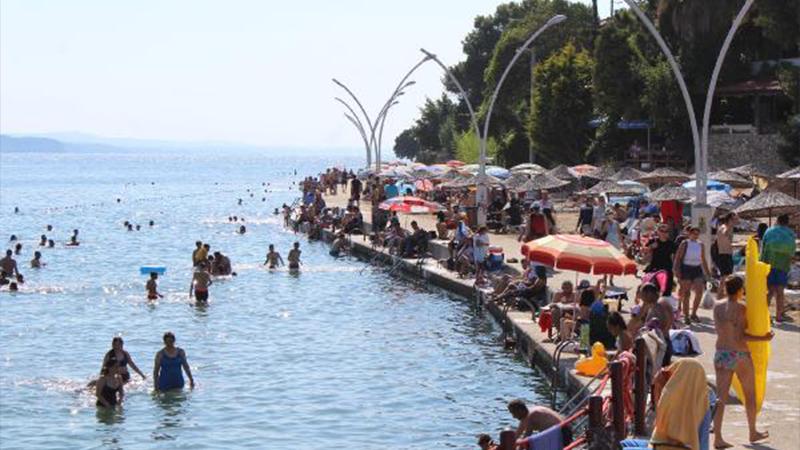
x,y
640,388
617,406
595,417
507,440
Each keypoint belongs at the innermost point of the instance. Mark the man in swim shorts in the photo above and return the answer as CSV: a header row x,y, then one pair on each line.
x,y
733,356
294,257
201,280
273,258
8,265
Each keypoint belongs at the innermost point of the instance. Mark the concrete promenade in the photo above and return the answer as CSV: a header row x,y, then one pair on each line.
x,y
780,414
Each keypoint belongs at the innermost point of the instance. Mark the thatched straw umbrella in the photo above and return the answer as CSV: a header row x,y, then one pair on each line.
x,y
663,175
626,173
542,181
601,173
529,167
471,180
767,204
731,178
670,192
609,187
759,169
792,175
516,180
562,172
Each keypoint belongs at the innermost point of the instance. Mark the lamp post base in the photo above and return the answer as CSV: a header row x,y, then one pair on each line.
x,y
481,202
701,218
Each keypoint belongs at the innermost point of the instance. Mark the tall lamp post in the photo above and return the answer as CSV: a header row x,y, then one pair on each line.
x,y
482,194
701,212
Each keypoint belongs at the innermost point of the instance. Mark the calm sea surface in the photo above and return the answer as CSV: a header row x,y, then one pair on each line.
x,y
331,358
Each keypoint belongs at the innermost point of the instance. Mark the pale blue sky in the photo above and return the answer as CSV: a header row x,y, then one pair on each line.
x,y
255,72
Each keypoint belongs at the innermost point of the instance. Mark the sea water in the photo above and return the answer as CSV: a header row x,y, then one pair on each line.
x,y
337,356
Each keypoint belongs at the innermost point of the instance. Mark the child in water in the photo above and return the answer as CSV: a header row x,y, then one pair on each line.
x,y
152,287
273,258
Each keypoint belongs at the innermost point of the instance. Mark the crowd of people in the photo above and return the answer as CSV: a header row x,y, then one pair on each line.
x,y
10,274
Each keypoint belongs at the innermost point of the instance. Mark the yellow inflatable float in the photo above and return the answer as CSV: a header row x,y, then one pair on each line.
x,y
594,364
758,320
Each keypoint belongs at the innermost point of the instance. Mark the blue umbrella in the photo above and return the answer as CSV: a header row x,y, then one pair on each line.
x,y
711,185
498,172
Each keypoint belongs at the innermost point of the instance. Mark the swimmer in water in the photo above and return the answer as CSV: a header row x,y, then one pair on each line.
x,y
167,373
8,265
51,243
120,358
43,241
152,287
152,223
242,229
273,258
18,248
138,227
201,280
49,227
74,239
36,262
108,388
294,257
276,212
130,227
13,287
240,201
12,238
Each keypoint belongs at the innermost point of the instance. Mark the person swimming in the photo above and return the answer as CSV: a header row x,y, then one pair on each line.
x,y
201,280
51,243
36,262
120,358
18,248
49,227
273,258
73,240
12,287
152,287
242,229
294,257
167,374
43,241
108,387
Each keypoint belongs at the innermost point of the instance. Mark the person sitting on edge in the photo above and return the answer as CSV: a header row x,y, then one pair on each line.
x,y
339,245
169,360
152,287
36,262
732,356
537,418
273,259
294,257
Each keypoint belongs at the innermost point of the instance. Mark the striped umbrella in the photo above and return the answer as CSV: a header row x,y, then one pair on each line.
x,y
579,253
411,205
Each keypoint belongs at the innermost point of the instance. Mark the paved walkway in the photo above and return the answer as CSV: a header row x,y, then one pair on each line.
x,y
780,414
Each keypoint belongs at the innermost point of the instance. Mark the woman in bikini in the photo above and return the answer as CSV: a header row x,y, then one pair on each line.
x,y
119,357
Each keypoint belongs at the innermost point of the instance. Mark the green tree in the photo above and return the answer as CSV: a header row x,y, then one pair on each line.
x,y
468,147
562,106
432,135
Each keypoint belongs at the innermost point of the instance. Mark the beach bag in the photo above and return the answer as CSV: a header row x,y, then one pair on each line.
x,y
709,299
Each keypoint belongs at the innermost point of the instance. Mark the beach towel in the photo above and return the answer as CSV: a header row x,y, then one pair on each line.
x,y
656,348
549,439
683,405
685,343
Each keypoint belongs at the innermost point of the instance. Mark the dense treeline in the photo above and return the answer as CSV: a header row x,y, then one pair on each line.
x,y
589,75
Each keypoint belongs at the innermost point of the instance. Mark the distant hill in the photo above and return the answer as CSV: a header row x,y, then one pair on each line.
x,y
9,144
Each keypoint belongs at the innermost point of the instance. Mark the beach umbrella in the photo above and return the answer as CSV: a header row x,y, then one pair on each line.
x,y
663,175
542,181
601,173
767,204
411,205
579,253
516,180
451,175
528,167
670,192
583,169
423,185
455,163
719,199
711,185
626,173
611,188
793,175
763,168
471,180
634,186
562,172
731,178
498,172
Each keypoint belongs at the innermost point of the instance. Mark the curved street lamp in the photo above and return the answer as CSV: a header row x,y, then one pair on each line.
x,y
353,118
481,194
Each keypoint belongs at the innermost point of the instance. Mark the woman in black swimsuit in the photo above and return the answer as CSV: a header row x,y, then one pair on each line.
x,y
108,388
121,358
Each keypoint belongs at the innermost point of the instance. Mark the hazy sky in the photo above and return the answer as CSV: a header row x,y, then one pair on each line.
x,y
255,72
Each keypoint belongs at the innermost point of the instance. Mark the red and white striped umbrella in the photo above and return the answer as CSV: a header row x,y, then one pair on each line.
x,y
582,254
411,205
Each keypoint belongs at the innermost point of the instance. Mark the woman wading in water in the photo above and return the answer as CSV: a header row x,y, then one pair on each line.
x,y
119,357
167,374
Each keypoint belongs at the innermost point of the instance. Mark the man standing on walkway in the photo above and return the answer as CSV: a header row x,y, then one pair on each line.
x,y
777,249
